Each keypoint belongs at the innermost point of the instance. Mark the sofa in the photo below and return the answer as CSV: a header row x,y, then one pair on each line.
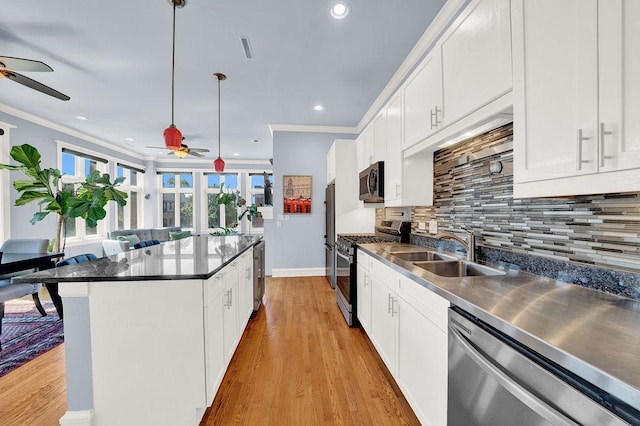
x,y
112,245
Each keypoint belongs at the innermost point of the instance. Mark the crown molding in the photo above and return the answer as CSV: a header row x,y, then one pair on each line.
x,y
440,23
312,129
228,162
66,130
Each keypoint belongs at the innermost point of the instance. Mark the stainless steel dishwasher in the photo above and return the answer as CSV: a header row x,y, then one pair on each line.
x,y
258,275
494,380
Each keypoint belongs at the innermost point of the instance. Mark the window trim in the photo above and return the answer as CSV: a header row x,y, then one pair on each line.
x,y
204,205
177,191
5,182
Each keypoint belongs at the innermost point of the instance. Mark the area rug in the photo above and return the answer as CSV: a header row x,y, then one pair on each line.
x,y
25,334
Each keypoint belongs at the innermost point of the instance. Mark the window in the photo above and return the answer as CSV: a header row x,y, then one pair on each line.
x,y
5,203
177,199
75,166
260,185
130,215
219,214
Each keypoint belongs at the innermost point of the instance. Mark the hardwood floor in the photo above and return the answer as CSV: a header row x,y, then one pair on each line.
x,y
297,363
36,392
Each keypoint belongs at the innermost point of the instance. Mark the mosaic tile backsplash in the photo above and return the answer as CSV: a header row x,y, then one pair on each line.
x,y
601,230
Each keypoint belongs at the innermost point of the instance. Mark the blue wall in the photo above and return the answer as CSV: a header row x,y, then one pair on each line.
x,y
299,242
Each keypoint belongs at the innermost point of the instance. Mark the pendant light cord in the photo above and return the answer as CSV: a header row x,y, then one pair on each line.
x,y
173,62
218,116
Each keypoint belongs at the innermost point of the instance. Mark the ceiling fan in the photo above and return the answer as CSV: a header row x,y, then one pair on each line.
x,y
9,66
183,151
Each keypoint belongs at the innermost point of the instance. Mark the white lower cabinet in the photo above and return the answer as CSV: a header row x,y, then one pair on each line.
x,y
422,353
409,331
363,291
214,332
245,289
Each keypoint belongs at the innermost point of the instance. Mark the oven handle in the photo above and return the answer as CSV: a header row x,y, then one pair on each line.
x,y
345,257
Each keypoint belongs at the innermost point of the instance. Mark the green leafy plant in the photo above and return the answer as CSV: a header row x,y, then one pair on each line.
x,y
250,212
68,200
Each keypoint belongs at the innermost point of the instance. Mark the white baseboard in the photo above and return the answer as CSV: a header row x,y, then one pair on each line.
x,y
299,272
77,418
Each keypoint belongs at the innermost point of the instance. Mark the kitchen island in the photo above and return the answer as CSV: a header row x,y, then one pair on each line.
x,y
149,333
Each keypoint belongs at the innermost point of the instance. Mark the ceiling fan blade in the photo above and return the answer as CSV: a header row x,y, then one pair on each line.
x,y
195,154
156,147
20,64
26,81
199,149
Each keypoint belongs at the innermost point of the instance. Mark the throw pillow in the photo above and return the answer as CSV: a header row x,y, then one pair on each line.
x,y
133,239
178,235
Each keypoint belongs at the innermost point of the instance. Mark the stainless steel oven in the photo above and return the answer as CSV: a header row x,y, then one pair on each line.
x,y
386,232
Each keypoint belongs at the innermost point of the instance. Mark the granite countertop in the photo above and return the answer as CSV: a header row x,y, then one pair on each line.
x,y
197,257
591,333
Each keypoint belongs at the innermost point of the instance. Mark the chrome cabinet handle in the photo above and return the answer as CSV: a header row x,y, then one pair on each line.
x,y
579,160
389,304
432,114
604,133
366,280
393,303
397,189
438,111
228,303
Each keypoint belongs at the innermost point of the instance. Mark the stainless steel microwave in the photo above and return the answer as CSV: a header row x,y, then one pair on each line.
x,y
372,183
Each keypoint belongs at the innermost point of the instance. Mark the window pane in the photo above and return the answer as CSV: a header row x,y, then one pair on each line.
x,y
213,181
68,164
257,222
89,166
186,210
168,210
133,177
120,171
168,181
257,199
257,181
213,212
186,181
231,215
69,228
92,231
120,224
231,181
133,208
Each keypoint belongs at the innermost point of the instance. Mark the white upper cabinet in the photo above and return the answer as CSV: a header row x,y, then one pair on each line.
x,y
476,58
575,91
422,97
379,142
619,61
393,160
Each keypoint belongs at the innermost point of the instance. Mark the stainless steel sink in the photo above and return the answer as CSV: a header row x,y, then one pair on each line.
x,y
414,256
457,268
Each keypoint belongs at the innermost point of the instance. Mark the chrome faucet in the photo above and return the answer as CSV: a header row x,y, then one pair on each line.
x,y
469,243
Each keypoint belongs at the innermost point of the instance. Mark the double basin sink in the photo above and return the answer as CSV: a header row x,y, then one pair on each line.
x,y
444,265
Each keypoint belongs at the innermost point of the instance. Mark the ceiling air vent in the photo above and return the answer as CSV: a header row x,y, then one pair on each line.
x,y
246,47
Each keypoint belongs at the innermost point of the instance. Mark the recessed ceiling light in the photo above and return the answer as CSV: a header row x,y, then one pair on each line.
x,y
340,10
255,140
318,108
236,154
80,117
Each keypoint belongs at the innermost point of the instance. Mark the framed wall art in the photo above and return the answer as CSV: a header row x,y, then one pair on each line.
x,y
297,194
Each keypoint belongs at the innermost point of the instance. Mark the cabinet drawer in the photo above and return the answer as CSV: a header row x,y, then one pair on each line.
x,y
432,306
383,273
213,287
364,260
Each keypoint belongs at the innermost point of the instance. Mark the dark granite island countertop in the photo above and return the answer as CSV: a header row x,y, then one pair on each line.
x,y
197,257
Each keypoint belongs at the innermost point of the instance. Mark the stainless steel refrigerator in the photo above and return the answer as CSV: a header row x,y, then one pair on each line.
x,y
330,233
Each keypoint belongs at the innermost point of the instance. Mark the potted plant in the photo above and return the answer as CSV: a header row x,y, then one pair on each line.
x,y
85,199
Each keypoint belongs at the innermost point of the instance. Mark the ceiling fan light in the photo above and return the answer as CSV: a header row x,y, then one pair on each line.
x,y
172,138
218,165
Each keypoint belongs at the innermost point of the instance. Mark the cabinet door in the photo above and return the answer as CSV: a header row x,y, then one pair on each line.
x,y
214,335
555,88
383,313
422,365
362,157
230,312
363,297
619,44
422,97
245,290
393,160
476,58
379,148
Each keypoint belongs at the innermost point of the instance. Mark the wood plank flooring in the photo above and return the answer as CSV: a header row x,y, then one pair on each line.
x,y
297,363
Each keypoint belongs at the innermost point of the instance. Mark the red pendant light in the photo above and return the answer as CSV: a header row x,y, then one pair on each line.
x,y
218,163
173,136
